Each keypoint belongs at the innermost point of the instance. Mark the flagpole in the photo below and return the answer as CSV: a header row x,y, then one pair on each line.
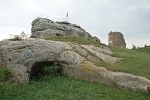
x,y
67,16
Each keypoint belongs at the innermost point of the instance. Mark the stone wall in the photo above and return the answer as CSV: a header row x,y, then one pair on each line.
x,y
116,39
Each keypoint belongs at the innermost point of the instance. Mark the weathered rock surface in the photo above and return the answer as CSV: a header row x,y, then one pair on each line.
x,y
24,57
95,53
42,27
70,58
130,81
103,54
89,72
21,55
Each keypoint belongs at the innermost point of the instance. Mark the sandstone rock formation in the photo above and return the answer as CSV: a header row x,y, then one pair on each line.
x,y
116,39
25,58
20,56
130,81
95,53
42,27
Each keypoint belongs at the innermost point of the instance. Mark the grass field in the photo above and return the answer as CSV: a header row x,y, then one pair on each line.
x,y
64,88
133,61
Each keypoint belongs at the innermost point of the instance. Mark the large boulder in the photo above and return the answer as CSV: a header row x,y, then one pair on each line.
x,y
22,57
78,67
42,27
130,81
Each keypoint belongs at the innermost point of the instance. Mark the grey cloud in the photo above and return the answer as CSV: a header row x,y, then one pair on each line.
x,y
98,17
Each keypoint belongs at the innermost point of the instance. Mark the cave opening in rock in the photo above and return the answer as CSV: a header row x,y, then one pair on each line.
x,y
45,69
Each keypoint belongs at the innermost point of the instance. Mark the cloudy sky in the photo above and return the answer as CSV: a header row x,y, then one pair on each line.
x,y
98,17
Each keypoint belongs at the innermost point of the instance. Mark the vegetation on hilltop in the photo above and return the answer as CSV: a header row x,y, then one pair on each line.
x,y
144,49
133,61
76,39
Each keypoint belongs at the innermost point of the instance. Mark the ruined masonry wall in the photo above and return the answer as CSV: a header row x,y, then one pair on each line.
x,y
116,39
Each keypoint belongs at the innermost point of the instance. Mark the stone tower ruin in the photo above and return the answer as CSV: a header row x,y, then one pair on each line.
x,y
116,39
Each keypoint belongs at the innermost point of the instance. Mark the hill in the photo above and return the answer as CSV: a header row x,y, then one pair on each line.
x,y
65,88
145,49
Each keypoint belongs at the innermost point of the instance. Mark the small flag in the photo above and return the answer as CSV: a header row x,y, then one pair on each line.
x,y
67,15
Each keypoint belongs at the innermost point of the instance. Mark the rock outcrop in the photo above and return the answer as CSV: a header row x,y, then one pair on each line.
x,y
130,81
95,53
25,58
42,27
22,56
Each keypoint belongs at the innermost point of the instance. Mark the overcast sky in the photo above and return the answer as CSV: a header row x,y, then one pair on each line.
x,y
98,17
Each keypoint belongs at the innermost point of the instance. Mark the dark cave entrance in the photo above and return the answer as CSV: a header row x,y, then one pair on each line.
x,y
43,69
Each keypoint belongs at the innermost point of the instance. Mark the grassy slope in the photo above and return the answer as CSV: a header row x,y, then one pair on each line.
x,y
133,62
145,49
63,88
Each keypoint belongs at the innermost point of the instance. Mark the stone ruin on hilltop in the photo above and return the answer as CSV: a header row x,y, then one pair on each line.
x,y
116,39
42,27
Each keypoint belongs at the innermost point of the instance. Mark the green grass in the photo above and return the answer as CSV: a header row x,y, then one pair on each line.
x,y
76,39
144,49
64,88
133,61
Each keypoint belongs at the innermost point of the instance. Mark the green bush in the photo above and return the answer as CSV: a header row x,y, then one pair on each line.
x,y
1,65
5,74
49,72
148,89
16,38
